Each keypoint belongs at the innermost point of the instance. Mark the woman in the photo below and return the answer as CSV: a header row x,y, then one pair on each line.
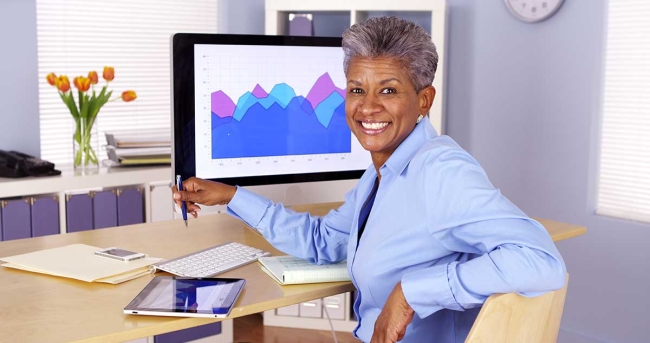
x,y
426,236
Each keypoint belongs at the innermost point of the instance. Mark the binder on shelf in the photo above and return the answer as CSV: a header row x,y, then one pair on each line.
x,y
190,334
79,212
16,221
104,209
161,206
45,216
139,138
130,206
301,25
1,205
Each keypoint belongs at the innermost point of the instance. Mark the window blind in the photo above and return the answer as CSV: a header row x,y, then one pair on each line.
x,y
133,36
624,182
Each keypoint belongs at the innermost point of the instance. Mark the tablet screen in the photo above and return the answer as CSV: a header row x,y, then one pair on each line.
x,y
175,294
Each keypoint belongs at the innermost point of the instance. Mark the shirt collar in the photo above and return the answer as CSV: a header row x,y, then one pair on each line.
x,y
422,133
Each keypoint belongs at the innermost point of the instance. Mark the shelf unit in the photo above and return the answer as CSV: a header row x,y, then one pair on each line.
x,y
74,182
430,14
154,182
277,14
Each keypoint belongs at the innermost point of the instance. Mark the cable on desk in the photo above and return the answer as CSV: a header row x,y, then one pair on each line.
x,y
327,313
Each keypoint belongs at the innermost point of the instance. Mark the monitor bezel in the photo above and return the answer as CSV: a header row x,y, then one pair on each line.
x,y
183,128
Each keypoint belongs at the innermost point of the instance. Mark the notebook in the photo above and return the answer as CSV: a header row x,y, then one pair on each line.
x,y
289,270
78,261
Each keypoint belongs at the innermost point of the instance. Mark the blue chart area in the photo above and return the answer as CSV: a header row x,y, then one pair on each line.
x,y
279,124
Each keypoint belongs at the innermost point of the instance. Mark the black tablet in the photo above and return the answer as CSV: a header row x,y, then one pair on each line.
x,y
187,297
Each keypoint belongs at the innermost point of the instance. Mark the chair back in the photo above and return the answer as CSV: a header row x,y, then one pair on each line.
x,y
512,318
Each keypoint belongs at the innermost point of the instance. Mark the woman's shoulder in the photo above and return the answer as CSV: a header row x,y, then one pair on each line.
x,y
442,149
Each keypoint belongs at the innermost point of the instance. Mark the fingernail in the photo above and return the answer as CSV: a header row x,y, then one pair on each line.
x,y
177,196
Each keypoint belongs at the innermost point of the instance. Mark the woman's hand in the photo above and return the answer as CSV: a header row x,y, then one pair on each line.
x,y
198,191
393,319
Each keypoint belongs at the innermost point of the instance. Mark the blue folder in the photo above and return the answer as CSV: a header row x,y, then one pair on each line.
x,y
104,209
79,212
16,221
45,216
130,206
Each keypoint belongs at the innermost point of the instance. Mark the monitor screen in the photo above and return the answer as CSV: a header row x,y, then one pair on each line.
x,y
252,110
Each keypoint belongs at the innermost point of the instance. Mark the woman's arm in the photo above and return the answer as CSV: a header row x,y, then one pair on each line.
x,y
317,239
500,249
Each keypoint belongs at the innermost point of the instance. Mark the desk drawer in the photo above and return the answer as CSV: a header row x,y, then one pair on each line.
x,y
335,306
312,309
291,311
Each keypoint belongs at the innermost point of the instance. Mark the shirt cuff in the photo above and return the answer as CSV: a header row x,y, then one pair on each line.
x,y
428,291
248,206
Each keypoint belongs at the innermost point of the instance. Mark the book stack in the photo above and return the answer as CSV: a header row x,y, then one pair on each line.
x,y
289,270
137,148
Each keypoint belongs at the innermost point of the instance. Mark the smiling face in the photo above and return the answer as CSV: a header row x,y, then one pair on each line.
x,y
382,105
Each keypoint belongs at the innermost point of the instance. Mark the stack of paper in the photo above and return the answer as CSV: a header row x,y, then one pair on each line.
x,y
287,270
138,147
78,261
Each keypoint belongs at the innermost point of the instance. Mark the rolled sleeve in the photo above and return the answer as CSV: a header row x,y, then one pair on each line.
x,y
248,207
428,290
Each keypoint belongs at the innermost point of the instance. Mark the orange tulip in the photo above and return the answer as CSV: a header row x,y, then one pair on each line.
x,y
93,77
62,83
129,96
109,73
51,79
82,83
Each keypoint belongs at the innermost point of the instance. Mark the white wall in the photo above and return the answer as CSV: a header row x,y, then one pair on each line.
x,y
19,126
525,101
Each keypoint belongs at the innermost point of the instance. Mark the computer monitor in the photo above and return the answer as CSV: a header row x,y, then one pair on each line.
x,y
265,111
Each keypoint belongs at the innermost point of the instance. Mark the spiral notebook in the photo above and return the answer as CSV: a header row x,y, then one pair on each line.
x,y
289,270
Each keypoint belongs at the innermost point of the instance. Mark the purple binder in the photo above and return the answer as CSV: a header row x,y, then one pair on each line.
x,y
16,222
45,216
130,207
189,334
105,209
301,25
79,212
0,222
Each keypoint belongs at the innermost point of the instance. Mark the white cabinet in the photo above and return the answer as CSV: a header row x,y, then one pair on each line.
x,y
334,306
311,309
162,206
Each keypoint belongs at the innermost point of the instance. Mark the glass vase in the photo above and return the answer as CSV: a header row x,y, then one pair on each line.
x,y
84,156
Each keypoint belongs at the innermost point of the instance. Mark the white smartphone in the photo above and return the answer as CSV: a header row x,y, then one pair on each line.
x,y
120,254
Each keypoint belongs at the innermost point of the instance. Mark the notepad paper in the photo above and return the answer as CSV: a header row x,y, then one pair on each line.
x,y
288,270
78,261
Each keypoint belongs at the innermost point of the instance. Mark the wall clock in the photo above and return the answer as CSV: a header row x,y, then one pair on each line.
x,y
533,11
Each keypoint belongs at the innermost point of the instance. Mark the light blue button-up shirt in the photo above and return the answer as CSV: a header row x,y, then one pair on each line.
x,y
437,225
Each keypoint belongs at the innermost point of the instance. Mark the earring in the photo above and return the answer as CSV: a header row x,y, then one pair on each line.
x,y
419,118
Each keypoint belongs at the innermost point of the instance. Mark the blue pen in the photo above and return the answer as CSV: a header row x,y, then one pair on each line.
x,y
179,184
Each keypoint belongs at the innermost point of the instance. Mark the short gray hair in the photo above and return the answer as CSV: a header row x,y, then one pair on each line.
x,y
396,38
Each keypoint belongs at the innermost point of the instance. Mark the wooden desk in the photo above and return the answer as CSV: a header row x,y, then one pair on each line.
x,y
37,308
558,231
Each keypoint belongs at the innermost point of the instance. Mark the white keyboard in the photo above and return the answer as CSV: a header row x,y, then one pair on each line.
x,y
211,261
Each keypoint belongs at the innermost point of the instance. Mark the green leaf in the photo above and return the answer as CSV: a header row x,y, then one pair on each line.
x,y
68,100
81,101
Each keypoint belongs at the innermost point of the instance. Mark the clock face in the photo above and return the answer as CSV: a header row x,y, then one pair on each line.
x,y
533,10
